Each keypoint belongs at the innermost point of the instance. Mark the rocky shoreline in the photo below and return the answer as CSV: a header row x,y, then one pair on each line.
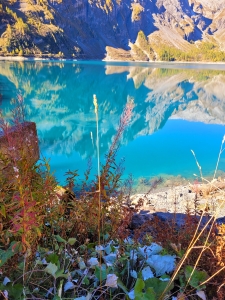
x,y
199,197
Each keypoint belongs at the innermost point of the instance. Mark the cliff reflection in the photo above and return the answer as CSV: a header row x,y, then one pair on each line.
x,y
59,96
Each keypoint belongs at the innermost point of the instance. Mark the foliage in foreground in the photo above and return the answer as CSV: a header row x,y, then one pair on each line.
x,y
67,245
113,271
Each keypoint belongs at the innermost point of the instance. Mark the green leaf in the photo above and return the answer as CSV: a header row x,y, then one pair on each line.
x,y
158,285
139,286
141,294
72,241
21,265
182,283
60,274
82,265
91,245
196,278
122,286
10,252
101,272
56,247
53,258
59,239
51,269
150,294
57,298
86,280
15,291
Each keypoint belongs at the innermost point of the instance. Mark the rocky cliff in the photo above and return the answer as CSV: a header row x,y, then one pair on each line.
x,y
93,28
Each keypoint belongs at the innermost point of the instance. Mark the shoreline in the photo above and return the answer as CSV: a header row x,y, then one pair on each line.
x,y
32,58
176,199
171,63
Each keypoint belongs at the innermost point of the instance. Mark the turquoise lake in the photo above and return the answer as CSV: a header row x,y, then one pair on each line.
x,y
176,108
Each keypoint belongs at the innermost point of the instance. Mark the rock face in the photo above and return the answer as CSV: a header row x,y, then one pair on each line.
x,y
84,29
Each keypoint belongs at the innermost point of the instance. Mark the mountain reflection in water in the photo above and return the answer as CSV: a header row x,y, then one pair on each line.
x,y
188,105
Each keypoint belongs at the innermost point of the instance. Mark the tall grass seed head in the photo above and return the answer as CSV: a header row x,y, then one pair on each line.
x,y
95,101
223,139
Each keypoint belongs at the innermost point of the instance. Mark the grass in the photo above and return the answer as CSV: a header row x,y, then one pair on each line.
x,y
59,244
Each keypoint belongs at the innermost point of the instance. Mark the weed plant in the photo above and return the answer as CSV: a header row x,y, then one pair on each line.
x,y
57,243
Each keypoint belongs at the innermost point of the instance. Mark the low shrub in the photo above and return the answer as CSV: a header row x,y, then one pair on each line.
x,y
61,243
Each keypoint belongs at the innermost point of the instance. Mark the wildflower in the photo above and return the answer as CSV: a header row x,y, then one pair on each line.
x,y
99,248
6,294
125,119
93,261
111,281
16,170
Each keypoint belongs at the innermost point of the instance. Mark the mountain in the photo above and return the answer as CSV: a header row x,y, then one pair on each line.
x,y
114,29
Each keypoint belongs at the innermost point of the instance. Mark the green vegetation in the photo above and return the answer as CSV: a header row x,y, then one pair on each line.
x,y
138,53
34,33
204,51
199,75
142,41
143,44
59,244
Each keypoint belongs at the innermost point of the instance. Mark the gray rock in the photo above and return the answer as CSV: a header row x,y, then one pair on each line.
x,y
140,218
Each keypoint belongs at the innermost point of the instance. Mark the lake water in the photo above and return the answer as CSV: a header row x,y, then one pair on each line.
x,y
177,108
